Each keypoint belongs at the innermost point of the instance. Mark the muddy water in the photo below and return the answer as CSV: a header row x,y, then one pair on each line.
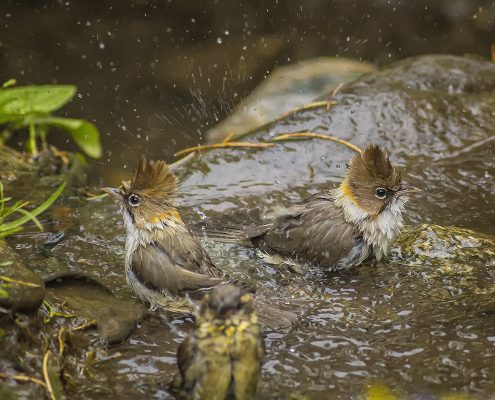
x,y
418,326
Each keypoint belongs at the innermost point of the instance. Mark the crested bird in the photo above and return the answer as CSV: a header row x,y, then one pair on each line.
x,y
338,228
165,263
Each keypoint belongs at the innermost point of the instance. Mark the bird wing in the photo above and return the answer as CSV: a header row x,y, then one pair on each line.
x,y
185,355
247,356
204,366
156,269
315,231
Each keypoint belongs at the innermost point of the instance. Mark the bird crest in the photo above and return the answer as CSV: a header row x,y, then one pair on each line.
x,y
373,166
153,179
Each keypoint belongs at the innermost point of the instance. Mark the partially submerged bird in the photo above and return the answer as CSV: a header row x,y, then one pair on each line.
x,y
221,358
165,263
340,228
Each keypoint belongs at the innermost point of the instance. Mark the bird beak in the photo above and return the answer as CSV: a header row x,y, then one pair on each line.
x,y
406,189
115,192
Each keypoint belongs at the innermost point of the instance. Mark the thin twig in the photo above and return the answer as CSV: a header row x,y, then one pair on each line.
x,y
310,106
92,196
228,137
179,163
222,145
86,325
48,383
22,378
467,149
314,135
61,340
18,282
333,94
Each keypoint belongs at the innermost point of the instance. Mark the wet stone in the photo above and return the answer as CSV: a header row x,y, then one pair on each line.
x,y
21,290
115,318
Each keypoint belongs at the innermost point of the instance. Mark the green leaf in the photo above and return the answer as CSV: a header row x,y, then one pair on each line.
x,y
3,293
15,225
20,101
84,133
9,83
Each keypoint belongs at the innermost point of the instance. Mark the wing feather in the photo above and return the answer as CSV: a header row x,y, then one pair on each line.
x,y
155,268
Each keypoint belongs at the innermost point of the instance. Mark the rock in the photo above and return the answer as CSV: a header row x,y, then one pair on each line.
x,y
433,113
461,259
21,289
287,88
115,318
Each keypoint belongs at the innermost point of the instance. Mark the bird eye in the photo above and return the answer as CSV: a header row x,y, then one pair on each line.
x,y
134,200
381,193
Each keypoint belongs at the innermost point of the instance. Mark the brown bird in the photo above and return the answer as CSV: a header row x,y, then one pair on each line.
x,y
221,359
165,263
340,228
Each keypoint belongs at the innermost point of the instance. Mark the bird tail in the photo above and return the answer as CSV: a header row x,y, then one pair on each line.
x,y
227,235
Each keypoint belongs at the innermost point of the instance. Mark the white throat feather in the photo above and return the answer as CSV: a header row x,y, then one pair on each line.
x,y
378,231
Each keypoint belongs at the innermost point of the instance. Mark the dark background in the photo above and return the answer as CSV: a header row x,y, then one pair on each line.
x,y
154,75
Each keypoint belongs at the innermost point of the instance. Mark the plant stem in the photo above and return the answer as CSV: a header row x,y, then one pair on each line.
x,y
32,139
43,136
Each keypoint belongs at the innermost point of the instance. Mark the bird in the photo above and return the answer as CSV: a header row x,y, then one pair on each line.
x,y
222,357
165,263
340,228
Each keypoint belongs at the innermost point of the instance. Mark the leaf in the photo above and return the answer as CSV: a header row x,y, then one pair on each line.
x,y
9,83
15,225
3,293
84,133
20,101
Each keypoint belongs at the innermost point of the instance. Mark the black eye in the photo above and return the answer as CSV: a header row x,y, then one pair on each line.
x,y
381,193
134,200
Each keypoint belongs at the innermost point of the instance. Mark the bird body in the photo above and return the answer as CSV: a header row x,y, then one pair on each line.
x,y
222,357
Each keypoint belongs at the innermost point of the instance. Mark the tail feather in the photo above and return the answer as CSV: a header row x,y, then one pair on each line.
x,y
227,235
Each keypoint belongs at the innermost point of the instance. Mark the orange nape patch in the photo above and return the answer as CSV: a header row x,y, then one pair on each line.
x,y
170,214
347,191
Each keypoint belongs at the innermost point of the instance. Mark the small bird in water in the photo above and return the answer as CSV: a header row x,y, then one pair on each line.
x,y
221,359
340,228
165,263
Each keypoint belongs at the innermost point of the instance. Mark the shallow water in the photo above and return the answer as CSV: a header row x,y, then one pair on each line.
x,y
420,330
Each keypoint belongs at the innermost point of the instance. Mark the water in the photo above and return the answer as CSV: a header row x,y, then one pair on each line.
x,y
420,329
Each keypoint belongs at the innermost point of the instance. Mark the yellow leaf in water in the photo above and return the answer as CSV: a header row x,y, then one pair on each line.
x,y
380,392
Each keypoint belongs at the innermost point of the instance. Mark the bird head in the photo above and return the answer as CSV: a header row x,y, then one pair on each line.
x,y
150,196
225,300
372,183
